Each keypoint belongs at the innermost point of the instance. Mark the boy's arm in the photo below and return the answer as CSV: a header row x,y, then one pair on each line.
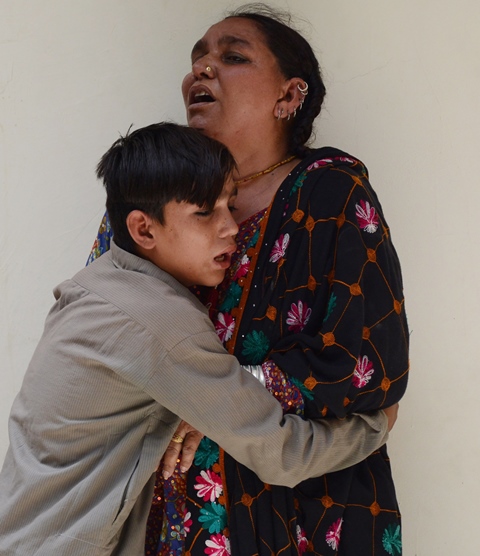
x,y
208,388
185,451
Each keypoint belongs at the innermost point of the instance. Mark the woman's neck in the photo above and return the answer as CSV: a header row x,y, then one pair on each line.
x,y
256,156
257,193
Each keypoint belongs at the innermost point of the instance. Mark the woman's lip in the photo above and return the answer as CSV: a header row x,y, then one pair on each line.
x,y
193,99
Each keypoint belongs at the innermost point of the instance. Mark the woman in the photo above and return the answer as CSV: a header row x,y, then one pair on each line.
x,y
314,295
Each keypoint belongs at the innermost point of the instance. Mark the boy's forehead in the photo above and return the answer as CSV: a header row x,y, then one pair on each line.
x,y
229,189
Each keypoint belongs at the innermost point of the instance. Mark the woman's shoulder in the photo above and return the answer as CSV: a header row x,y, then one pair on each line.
x,y
329,173
325,158
332,179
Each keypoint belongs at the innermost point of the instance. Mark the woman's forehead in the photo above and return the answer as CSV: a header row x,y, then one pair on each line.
x,y
233,30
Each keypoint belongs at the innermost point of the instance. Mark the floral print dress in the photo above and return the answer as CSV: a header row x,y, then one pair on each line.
x,y
324,303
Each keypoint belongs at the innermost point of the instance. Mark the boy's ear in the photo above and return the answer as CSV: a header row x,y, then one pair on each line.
x,y
140,227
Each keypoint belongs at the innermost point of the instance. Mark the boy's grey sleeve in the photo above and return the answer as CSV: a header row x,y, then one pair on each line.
x,y
205,386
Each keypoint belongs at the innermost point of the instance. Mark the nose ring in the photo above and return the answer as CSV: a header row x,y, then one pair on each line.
x,y
208,68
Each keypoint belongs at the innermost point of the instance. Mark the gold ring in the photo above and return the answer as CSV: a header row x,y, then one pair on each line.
x,y
177,439
208,68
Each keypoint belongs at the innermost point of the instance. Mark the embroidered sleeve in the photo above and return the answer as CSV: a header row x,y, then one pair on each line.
x,y
346,339
284,390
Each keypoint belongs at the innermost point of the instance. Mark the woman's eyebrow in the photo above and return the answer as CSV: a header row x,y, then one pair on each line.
x,y
226,40
232,40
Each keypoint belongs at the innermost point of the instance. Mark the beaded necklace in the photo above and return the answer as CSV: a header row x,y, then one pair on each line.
x,y
267,171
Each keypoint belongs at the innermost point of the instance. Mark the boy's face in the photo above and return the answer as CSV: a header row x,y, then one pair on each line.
x,y
195,245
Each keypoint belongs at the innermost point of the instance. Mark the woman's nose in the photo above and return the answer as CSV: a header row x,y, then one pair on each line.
x,y
202,68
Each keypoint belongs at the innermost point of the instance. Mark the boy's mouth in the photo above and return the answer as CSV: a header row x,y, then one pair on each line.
x,y
225,257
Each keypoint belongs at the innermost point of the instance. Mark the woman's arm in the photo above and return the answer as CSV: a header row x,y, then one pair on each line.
x,y
345,345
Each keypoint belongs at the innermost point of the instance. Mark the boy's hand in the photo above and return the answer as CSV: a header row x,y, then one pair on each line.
x,y
188,446
392,413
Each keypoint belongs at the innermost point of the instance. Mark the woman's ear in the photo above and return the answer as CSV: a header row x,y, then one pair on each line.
x,y
294,92
140,227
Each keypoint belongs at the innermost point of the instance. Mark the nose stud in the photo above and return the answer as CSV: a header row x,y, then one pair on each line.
x,y
208,68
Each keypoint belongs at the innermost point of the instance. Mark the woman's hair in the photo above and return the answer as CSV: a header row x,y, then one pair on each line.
x,y
295,58
157,164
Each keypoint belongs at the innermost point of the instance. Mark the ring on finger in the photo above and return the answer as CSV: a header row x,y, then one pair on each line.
x,y
177,439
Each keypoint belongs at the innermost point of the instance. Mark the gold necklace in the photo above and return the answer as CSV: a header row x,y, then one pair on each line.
x,y
267,171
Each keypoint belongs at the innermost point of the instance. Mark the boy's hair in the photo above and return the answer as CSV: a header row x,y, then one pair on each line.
x,y
157,164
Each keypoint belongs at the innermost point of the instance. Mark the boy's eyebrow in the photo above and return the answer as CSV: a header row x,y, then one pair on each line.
x,y
227,40
228,193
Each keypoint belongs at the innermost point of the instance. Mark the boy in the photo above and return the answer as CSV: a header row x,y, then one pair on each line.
x,y
128,351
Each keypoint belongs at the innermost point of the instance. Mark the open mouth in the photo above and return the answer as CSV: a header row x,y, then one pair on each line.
x,y
199,96
226,257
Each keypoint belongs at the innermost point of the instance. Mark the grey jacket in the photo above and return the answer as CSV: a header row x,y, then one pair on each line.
x,y
126,353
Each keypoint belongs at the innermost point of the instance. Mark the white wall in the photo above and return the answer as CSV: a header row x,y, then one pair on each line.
x,y
403,81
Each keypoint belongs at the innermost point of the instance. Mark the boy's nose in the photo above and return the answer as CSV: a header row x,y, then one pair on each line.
x,y
230,227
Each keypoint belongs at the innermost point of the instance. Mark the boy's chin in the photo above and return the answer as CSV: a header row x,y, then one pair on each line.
x,y
215,281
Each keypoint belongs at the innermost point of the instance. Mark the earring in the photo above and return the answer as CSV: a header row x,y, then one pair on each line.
x,y
303,90
279,113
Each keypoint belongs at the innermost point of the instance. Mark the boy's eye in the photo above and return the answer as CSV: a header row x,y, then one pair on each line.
x,y
205,212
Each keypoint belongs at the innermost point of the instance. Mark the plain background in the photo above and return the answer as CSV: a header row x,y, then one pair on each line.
x,y
403,80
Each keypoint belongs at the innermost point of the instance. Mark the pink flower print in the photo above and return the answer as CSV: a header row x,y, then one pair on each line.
x,y
279,248
209,486
224,326
301,540
218,545
363,372
298,316
333,534
319,164
367,217
242,268
187,522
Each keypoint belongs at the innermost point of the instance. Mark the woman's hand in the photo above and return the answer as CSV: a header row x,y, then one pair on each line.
x,y
185,441
391,413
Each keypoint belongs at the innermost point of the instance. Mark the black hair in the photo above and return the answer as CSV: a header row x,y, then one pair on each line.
x,y
157,164
295,58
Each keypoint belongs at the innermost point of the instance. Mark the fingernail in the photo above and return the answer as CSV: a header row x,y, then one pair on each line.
x,y
183,469
165,475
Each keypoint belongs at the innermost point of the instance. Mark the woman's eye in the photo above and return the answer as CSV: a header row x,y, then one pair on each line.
x,y
232,208
235,59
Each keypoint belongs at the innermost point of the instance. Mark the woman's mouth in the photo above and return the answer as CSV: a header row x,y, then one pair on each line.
x,y
200,95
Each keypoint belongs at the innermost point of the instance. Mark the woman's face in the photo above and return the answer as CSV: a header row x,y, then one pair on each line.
x,y
235,83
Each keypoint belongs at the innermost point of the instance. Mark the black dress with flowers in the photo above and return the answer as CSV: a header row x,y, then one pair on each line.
x,y
320,295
